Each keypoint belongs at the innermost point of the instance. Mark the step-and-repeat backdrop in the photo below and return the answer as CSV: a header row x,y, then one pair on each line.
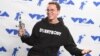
x,y
82,17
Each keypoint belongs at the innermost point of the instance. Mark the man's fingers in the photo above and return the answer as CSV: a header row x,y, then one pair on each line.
x,y
86,51
21,32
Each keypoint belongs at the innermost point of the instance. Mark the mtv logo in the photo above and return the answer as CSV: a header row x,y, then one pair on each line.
x,y
70,2
96,3
37,16
82,20
2,49
96,38
4,14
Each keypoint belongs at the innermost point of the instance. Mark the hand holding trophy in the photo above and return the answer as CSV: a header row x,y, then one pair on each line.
x,y
22,30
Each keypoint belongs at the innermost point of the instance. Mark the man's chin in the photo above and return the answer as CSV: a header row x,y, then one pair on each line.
x,y
50,18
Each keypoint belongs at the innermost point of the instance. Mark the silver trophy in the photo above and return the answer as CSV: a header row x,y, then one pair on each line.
x,y
21,25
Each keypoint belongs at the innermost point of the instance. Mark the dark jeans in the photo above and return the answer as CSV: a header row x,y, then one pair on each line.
x,y
33,55
43,52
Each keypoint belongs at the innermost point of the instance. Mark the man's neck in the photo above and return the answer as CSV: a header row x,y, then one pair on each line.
x,y
54,21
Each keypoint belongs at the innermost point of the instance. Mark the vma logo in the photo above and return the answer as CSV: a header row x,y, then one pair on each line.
x,y
39,2
18,15
60,52
96,3
70,2
82,20
2,49
88,54
12,31
96,38
82,5
80,38
15,50
15,31
4,14
37,16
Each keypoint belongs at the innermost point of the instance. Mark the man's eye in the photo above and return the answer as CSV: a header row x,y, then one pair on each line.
x,y
50,10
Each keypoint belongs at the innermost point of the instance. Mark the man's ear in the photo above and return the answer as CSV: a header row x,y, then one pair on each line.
x,y
58,12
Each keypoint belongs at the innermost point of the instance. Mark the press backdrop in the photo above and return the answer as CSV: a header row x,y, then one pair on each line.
x,y
82,17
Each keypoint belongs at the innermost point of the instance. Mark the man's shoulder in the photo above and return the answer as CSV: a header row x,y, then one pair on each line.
x,y
41,21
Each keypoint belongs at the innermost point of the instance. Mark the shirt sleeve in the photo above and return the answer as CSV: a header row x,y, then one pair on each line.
x,y
31,40
71,46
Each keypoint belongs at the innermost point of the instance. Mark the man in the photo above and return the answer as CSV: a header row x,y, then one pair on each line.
x,y
49,34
